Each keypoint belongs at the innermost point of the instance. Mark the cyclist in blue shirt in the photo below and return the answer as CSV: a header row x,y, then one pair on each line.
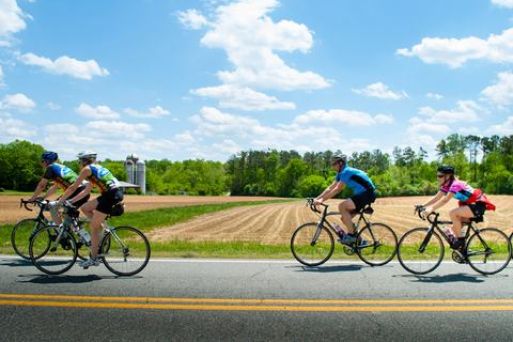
x,y
364,193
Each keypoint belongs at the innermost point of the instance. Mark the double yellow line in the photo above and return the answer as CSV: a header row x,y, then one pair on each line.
x,y
232,304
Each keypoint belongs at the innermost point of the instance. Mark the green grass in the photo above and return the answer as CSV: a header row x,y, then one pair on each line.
x,y
16,193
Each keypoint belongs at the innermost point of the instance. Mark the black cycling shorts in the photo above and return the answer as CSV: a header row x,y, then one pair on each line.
x,y
109,199
80,202
478,208
362,199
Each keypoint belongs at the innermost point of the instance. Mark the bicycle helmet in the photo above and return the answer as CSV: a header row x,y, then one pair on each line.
x,y
49,156
446,169
338,157
86,155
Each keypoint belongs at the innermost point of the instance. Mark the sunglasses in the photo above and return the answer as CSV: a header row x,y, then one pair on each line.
x,y
440,176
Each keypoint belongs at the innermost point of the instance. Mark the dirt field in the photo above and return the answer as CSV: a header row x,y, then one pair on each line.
x,y
11,212
275,223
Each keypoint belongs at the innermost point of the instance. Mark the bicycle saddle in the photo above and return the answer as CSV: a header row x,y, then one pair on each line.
x,y
367,210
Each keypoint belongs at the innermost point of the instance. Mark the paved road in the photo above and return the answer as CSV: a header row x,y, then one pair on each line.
x,y
239,300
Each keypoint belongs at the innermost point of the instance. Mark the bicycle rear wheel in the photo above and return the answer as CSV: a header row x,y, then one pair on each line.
x,y
311,245
55,257
125,251
381,244
420,253
21,234
489,251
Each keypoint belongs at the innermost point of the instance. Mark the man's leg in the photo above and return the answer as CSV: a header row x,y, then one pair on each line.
x,y
346,209
96,227
89,207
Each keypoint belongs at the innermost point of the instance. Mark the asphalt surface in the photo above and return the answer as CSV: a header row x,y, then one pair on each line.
x,y
180,300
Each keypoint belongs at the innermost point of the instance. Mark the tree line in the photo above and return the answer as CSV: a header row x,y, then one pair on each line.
x,y
485,162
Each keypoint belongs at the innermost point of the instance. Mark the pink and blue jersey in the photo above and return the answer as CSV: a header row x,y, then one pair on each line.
x,y
461,190
355,179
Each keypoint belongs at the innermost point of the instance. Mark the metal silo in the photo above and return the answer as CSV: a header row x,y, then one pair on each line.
x,y
141,176
130,170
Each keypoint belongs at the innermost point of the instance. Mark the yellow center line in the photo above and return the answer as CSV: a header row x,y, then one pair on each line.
x,y
255,301
199,307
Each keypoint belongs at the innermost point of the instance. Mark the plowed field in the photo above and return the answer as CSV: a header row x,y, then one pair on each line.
x,y
11,212
274,223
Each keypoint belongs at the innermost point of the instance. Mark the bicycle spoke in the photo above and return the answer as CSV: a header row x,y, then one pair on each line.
x,y
311,245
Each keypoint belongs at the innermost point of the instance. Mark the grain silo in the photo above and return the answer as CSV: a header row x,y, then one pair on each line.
x,y
136,172
141,175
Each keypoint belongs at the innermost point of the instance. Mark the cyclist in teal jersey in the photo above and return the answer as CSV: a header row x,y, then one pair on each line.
x,y
62,177
96,209
363,194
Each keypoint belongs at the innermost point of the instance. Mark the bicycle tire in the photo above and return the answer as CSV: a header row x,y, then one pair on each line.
x,y
55,257
471,250
402,250
108,248
16,232
294,247
368,234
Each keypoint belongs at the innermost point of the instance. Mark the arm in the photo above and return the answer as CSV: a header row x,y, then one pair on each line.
x,y
83,193
51,191
441,203
331,192
86,172
39,189
435,199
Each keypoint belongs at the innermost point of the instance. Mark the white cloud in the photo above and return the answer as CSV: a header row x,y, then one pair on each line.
x,y
18,101
1,77
192,19
99,112
465,111
497,48
434,96
419,126
500,93
505,128
65,65
251,38
381,91
11,129
231,96
227,146
12,20
503,3
116,129
53,106
342,116
152,112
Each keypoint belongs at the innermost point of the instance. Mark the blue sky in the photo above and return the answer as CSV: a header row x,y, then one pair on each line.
x,y
205,79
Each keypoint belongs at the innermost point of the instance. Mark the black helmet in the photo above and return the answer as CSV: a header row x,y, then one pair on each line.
x,y
338,158
446,169
49,156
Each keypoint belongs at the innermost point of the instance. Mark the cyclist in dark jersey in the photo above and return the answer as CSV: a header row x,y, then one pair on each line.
x,y
96,209
62,177
472,203
364,192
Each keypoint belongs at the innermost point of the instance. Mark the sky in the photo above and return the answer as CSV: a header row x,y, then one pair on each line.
x,y
182,79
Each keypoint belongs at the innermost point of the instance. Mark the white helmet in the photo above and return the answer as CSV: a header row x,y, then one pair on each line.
x,y
86,155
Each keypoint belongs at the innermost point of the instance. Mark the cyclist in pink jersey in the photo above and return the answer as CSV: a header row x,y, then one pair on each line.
x,y
472,202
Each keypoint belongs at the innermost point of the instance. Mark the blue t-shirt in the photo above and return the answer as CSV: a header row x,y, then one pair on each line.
x,y
355,179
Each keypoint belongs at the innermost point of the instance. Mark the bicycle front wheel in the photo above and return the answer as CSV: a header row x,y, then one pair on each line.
x,y
57,254
312,245
21,234
125,251
419,252
488,251
377,244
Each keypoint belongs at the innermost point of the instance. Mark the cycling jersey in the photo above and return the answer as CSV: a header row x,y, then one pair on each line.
x,y
60,174
466,194
103,178
355,179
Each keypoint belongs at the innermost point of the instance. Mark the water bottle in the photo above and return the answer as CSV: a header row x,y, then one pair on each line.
x,y
340,231
450,235
85,237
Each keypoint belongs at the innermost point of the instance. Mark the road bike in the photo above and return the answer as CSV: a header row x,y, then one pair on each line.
x,y
124,250
421,250
312,243
24,229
